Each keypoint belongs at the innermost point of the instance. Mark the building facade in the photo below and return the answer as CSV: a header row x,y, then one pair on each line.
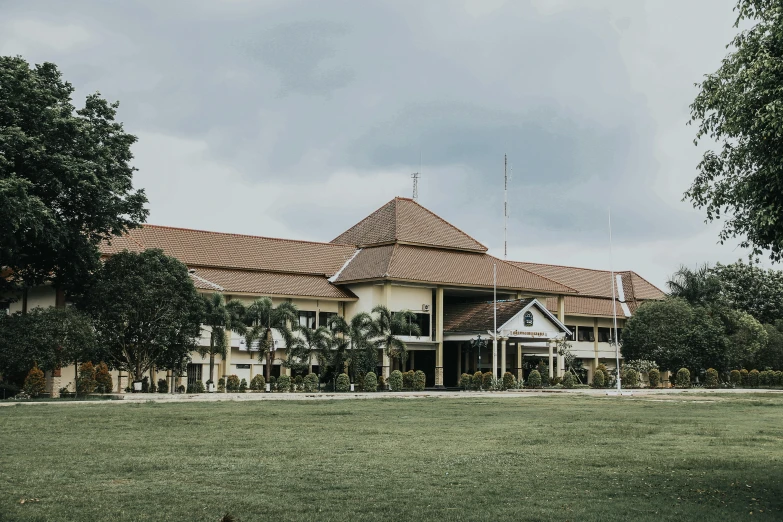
x,y
404,257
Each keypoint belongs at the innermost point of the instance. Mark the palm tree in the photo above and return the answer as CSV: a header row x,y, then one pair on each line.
x,y
386,328
263,317
356,334
222,317
309,342
698,287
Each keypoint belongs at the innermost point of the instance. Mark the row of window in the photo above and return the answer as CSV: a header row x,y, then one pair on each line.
x,y
307,319
587,334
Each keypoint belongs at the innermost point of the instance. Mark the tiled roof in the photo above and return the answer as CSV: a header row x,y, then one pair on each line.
x,y
217,249
479,317
403,220
596,283
267,283
435,265
592,306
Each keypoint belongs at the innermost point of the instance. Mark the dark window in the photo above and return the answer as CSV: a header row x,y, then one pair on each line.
x,y
323,318
423,320
604,335
194,374
585,333
307,319
573,333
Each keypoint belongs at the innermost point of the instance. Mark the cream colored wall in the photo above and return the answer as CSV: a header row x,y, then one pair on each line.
x,y
369,295
409,298
586,349
39,296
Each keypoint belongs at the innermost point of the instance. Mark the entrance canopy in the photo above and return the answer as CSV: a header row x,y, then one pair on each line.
x,y
522,319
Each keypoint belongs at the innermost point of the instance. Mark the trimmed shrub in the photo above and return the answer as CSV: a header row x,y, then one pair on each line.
x,y
370,382
196,387
509,381
343,383
181,388
35,382
466,381
298,381
683,378
86,383
221,387
486,380
711,379
630,378
163,386
543,371
598,379
419,380
534,379
778,378
103,382
753,378
258,383
243,386
554,381
568,380
381,383
310,383
735,378
272,383
395,380
744,376
284,383
478,380
654,377
232,383
407,379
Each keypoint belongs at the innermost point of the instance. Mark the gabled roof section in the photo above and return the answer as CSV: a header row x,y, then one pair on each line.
x,y
402,220
480,317
267,283
217,249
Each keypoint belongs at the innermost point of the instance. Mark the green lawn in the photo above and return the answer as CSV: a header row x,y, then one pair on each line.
x,y
557,457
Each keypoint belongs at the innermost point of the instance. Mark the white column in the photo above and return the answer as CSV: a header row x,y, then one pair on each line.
x,y
439,353
502,356
551,359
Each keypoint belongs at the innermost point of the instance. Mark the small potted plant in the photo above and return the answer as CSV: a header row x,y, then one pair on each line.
x,y
210,386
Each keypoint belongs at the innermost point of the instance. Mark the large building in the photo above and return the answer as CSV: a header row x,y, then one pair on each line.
x,y
404,257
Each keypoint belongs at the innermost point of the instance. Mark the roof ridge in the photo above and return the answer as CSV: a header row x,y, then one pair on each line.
x,y
645,280
368,216
444,221
571,266
246,235
391,258
511,264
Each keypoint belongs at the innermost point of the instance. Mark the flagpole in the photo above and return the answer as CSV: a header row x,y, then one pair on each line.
x,y
614,307
495,331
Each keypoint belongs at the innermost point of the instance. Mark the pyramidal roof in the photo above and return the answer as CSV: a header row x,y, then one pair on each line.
x,y
402,220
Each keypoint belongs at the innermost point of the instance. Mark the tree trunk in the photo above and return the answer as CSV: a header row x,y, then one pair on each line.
x,y
268,365
211,365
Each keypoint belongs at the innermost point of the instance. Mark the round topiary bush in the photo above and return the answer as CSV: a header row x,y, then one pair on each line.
x,y
630,378
654,376
534,379
395,381
598,379
243,386
370,382
310,383
272,383
744,376
232,383
343,383
683,378
478,380
104,383
735,377
568,380
466,381
407,379
753,378
778,378
221,387
284,383
196,387
163,386
486,380
35,382
381,383
509,381
419,380
86,382
711,379
258,383
298,382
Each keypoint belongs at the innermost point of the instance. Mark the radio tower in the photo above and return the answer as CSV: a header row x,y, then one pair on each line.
x,y
415,177
505,206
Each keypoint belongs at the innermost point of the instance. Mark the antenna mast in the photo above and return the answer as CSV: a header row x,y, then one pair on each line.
x,y
614,308
505,206
415,177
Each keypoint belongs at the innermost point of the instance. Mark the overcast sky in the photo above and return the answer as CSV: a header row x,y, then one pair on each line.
x,y
298,118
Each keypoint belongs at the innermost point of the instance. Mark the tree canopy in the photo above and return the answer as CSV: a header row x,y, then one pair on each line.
x,y
65,177
145,310
739,108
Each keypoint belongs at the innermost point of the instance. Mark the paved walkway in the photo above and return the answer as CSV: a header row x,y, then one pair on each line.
x,y
137,398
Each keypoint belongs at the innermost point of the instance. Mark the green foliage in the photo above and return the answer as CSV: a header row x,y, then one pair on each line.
x,y
103,381
381,383
419,380
407,379
232,383
145,310
86,382
737,108
683,378
509,381
196,387
145,384
630,378
65,178
654,377
370,382
598,379
753,378
273,383
262,318
221,385
568,380
735,378
779,378
258,383
534,379
343,383
763,378
386,328
641,366
486,380
752,289
466,381
711,379
221,317
163,386
543,371
478,380
744,376
310,383
284,383
395,380
35,382
243,386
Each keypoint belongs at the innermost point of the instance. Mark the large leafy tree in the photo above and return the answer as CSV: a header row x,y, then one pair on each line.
x,y
145,310
698,287
739,107
47,337
65,178
222,317
752,289
262,317
386,328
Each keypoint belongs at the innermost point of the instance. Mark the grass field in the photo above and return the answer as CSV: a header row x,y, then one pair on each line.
x,y
537,458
